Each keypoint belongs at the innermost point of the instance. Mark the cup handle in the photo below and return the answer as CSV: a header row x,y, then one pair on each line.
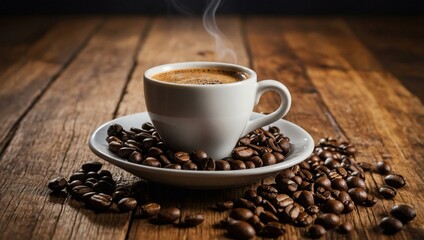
x,y
283,92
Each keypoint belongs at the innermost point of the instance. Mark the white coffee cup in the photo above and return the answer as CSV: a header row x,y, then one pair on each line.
x,y
208,117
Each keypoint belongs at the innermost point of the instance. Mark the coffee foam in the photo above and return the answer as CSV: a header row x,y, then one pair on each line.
x,y
201,76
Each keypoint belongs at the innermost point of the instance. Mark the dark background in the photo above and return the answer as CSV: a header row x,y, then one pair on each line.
x,y
303,7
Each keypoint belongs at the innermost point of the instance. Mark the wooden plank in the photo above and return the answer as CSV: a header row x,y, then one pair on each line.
x,y
24,81
367,113
397,43
180,39
52,140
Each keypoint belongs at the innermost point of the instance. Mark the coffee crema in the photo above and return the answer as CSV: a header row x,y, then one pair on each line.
x,y
201,76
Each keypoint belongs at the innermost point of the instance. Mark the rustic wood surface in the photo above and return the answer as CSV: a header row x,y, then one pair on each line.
x,y
356,79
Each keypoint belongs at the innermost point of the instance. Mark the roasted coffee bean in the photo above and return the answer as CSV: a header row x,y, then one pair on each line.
x,y
333,206
77,176
108,179
268,159
348,206
242,153
339,184
390,225
305,198
103,173
237,165
198,155
104,187
148,210
181,157
249,164
370,201
240,230
192,220
403,212
120,194
222,165
224,205
267,191
73,184
210,165
168,215
290,213
244,141
115,130
256,160
279,157
115,146
286,186
323,182
282,200
80,190
305,175
328,220
147,126
151,162
113,139
365,166
127,204
241,214
284,144
100,202
148,143
395,180
173,166
267,216
155,151
190,166
298,180
92,166
256,223
383,167
313,209
316,231
387,192
86,197
244,203
304,219
92,175
345,228
274,229
331,163
286,173
269,206
57,184
90,184
358,195
135,157
250,194
353,181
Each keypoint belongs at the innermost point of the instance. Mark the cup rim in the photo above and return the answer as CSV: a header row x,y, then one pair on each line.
x,y
198,64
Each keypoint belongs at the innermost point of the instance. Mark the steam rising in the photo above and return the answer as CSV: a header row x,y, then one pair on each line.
x,y
223,48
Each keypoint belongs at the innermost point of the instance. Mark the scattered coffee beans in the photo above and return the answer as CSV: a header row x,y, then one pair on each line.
x,y
168,215
192,220
403,212
383,167
240,229
387,192
394,180
57,184
390,225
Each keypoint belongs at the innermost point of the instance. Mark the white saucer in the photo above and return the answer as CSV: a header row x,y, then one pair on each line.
x,y
302,146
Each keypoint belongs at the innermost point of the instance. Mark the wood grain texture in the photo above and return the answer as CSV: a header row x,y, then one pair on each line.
x,y
52,140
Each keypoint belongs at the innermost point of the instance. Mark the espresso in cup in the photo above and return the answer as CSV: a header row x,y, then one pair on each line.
x,y
201,76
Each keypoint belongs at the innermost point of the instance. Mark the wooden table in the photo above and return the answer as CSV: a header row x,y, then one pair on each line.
x,y
61,77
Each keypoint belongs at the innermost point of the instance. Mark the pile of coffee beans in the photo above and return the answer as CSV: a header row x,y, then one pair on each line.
x,y
97,189
144,146
313,194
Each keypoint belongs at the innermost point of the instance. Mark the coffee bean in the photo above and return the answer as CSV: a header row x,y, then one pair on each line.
x,y
267,216
333,206
305,175
127,204
103,173
147,126
92,166
268,159
290,213
339,184
328,220
403,212
316,231
240,230
390,225
224,205
115,130
148,210
256,223
284,144
267,191
305,198
168,215
73,184
173,166
348,206
241,214
358,195
86,197
148,143
345,228
113,139
313,209
222,165
192,220
92,175
198,155
108,179
103,187
57,184
286,186
387,192
237,165
274,229
100,202
244,203
323,182
304,219
395,180
151,162
286,173
353,181
80,190
77,176
279,157
257,161
244,141
210,165
120,194
383,167
135,157
365,166
298,180
370,201
242,153
125,152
